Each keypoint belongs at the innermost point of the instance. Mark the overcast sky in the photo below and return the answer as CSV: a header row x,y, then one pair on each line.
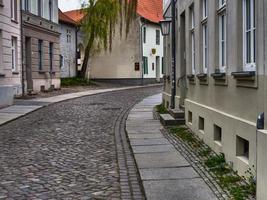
x,y
66,5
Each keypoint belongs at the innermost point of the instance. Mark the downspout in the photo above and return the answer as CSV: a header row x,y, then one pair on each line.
x,y
22,54
142,51
76,47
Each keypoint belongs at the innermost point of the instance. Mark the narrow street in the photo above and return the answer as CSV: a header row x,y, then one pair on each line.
x,y
69,150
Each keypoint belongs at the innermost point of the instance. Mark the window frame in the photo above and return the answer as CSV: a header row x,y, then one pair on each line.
x,y
14,53
193,42
157,37
222,42
50,10
222,3
51,56
68,36
14,10
144,35
204,9
40,54
251,64
145,65
205,48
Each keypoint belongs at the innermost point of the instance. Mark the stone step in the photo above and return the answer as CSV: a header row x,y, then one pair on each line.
x,y
177,114
168,120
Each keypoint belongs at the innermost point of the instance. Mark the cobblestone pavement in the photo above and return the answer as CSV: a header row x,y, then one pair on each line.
x,y
68,151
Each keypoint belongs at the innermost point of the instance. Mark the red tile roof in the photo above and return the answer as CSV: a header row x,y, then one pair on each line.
x,y
64,18
76,15
151,10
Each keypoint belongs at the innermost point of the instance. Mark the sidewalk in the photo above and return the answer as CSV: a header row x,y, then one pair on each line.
x,y
165,173
24,107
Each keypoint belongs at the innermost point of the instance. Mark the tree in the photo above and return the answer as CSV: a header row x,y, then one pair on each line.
x,y
98,25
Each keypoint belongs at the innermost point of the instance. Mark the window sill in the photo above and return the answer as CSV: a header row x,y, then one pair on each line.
x,y
221,9
218,143
1,4
218,75
204,21
244,75
191,78
2,75
243,159
41,72
14,21
53,72
202,132
202,76
15,73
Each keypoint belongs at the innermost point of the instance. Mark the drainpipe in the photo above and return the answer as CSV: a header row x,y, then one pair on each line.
x,y
141,50
76,47
22,54
173,92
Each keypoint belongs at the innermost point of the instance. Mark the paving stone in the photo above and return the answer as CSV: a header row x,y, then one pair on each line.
x,y
159,160
184,189
168,173
155,141
145,136
67,150
153,148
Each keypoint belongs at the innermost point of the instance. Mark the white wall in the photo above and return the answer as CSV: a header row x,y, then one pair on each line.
x,y
147,49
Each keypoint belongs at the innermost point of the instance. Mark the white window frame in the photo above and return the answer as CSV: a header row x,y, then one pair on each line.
x,y
204,9
13,10
249,66
222,3
222,42
205,48
14,53
193,49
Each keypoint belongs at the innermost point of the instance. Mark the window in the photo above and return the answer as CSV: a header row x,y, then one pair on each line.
x,y
51,55
193,52
217,133
190,117
50,10
162,65
145,65
40,54
40,8
242,147
61,58
204,9
25,5
222,42
205,47
14,53
34,7
201,123
68,36
249,37
144,35
14,10
157,37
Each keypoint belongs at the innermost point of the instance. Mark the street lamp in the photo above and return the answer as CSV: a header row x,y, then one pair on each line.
x,y
165,26
165,29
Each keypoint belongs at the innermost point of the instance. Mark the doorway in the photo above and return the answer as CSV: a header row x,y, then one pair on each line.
x,y
28,53
158,69
182,78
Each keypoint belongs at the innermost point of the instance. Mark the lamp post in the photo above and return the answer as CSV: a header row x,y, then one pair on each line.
x,y
165,29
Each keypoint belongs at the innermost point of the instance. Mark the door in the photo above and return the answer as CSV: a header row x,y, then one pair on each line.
x,y
28,53
182,77
157,68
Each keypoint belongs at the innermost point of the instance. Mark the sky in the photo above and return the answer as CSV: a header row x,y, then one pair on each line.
x,y
66,5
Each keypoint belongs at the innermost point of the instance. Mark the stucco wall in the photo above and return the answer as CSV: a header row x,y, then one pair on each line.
x,y
9,28
120,63
68,50
147,50
229,103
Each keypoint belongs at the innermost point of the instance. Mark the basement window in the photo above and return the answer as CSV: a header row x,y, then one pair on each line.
x,y
201,123
242,148
217,134
190,117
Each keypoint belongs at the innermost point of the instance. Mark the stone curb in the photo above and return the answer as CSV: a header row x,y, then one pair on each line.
x,y
9,114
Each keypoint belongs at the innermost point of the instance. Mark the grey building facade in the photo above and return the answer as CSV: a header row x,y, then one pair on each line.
x,y
10,54
68,46
221,78
41,49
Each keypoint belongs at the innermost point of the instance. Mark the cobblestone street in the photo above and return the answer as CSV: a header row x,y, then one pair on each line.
x,y
68,150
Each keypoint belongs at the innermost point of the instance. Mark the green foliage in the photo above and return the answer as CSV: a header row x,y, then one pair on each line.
x,y
239,188
75,81
161,109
